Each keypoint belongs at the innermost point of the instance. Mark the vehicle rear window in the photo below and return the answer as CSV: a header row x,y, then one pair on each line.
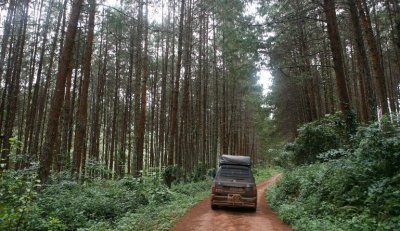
x,y
234,172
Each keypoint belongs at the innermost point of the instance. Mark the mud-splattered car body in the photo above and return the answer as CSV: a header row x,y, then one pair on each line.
x,y
234,184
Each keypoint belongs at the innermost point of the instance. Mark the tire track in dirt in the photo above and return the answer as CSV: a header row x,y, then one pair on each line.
x,y
202,218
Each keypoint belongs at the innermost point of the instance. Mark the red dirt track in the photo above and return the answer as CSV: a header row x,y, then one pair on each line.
x,y
202,218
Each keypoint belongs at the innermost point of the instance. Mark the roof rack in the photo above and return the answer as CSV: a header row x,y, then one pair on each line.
x,y
234,160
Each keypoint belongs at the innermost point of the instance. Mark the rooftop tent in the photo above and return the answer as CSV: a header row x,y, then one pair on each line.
x,y
235,160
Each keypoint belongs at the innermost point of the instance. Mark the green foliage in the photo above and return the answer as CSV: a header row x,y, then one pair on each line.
x,y
162,216
19,194
200,172
15,148
144,203
281,158
18,203
262,172
101,200
318,137
353,189
172,173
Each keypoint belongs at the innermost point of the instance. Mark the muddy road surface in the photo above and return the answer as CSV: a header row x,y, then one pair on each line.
x,y
203,218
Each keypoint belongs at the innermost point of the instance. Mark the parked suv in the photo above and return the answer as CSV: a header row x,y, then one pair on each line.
x,y
234,184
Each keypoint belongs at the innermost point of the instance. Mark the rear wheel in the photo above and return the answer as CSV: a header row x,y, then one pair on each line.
x,y
213,207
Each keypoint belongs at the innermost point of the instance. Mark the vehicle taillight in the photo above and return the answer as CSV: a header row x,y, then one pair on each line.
x,y
255,190
213,187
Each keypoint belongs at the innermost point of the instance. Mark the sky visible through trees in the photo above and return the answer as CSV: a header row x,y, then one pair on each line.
x,y
265,77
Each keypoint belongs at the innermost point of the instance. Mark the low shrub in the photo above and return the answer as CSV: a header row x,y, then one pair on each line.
x,y
318,137
352,189
130,203
282,158
126,204
262,172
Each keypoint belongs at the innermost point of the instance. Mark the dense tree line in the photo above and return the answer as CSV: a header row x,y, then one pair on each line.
x,y
331,55
108,90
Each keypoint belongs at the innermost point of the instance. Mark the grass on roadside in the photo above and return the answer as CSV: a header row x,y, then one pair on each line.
x,y
262,172
101,205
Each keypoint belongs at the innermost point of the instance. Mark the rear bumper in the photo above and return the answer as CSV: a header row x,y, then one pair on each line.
x,y
230,201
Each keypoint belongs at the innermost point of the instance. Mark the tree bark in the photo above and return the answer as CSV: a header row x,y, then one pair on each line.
x,y
377,68
175,91
81,114
14,86
143,98
336,48
46,157
138,66
368,103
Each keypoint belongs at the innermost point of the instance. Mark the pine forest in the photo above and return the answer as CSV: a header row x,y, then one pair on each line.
x,y
114,111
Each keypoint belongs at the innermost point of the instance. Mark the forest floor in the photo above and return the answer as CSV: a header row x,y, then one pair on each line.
x,y
202,217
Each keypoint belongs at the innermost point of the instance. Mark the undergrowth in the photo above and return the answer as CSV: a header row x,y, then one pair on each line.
x,y
144,203
352,187
262,172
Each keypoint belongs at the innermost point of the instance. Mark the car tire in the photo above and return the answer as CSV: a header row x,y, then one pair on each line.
x,y
214,207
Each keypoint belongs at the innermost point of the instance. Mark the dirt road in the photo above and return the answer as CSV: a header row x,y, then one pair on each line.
x,y
201,217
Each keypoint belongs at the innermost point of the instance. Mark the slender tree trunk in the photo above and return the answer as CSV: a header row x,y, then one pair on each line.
x,y
175,91
81,114
368,103
217,99
42,98
14,86
374,54
336,48
6,35
29,121
139,156
163,100
32,118
143,98
99,96
183,134
46,157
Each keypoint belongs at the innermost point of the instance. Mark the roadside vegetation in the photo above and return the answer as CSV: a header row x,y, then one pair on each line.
x,y
337,181
144,203
262,172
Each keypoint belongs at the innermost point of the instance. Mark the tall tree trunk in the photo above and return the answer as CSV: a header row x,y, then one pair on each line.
x,y
184,129
143,98
368,103
14,86
6,35
46,157
139,40
32,118
43,95
163,100
175,91
216,98
99,97
377,68
31,74
338,65
81,114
